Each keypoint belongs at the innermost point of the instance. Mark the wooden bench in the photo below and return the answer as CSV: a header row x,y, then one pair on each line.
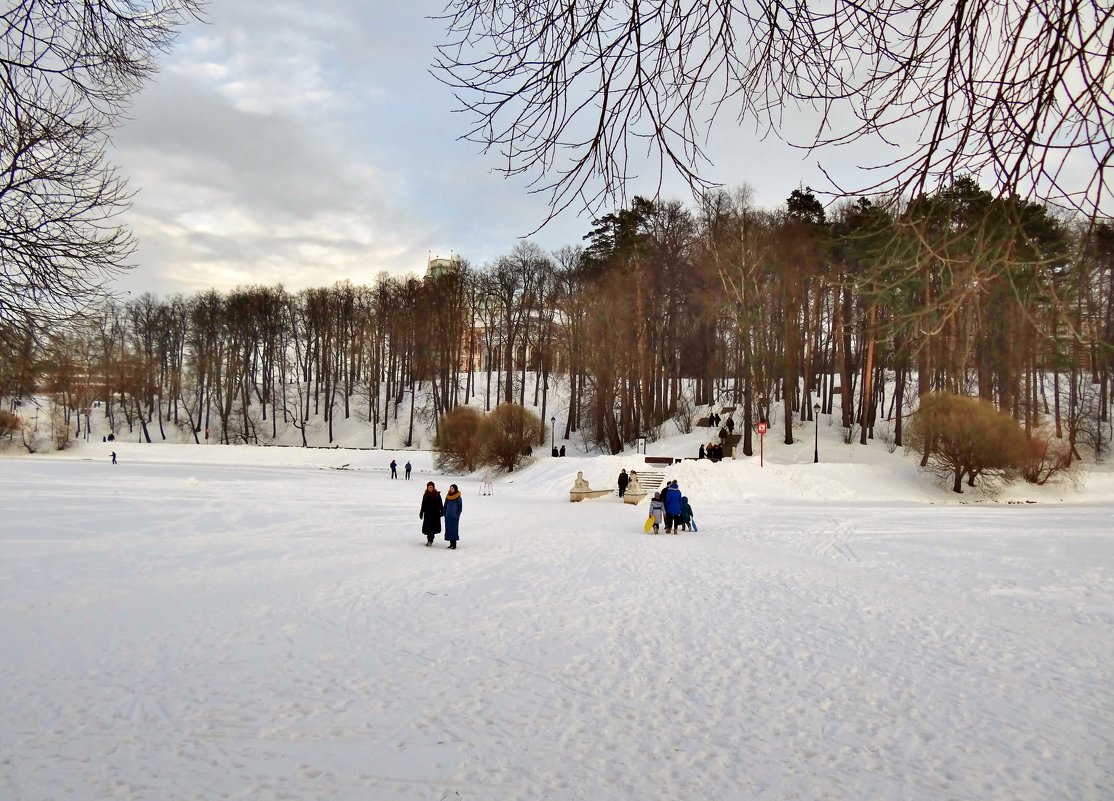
x,y
661,460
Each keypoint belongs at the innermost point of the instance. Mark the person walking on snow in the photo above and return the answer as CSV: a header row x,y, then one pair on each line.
x,y
671,500
624,479
114,457
394,469
430,515
408,471
656,511
453,507
487,488
686,514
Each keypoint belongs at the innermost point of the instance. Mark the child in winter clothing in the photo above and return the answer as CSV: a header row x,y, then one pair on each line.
x,y
657,510
685,521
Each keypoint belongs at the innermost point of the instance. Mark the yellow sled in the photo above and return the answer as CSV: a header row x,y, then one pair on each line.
x,y
649,524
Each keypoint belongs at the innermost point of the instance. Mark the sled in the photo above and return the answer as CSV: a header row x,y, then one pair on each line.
x,y
649,524
692,522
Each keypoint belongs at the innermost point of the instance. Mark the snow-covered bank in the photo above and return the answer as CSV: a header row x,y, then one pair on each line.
x,y
207,622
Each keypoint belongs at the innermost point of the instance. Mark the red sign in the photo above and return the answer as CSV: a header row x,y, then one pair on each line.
x,y
761,428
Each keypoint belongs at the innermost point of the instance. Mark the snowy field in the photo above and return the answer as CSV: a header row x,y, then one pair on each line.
x,y
266,623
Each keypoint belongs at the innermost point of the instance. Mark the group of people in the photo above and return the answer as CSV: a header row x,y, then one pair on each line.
x,y
394,469
668,506
672,508
710,451
433,509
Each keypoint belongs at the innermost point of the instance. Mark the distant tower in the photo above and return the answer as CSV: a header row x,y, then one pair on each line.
x,y
437,267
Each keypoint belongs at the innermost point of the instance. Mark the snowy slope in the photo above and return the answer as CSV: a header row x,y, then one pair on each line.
x,y
265,623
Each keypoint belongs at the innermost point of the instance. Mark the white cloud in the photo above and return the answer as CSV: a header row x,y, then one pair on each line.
x,y
300,144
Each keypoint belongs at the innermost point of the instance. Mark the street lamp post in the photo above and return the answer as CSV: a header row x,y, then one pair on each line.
x,y
816,440
552,434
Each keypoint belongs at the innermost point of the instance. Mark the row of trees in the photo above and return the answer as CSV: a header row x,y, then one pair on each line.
x,y
663,308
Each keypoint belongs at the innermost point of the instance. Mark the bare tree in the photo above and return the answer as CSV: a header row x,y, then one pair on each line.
x,y
67,70
1017,92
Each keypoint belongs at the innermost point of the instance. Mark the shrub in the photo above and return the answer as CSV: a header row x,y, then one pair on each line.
x,y
29,434
886,436
459,443
960,436
1045,458
60,434
684,414
9,423
511,431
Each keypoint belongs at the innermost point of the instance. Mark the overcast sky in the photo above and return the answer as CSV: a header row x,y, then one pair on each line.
x,y
305,143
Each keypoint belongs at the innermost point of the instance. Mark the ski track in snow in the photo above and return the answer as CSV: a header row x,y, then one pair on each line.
x,y
200,632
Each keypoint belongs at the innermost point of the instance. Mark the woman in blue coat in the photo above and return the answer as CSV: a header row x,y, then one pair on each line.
x,y
453,507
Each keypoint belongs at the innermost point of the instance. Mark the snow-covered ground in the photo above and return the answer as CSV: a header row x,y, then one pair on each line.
x,y
264,623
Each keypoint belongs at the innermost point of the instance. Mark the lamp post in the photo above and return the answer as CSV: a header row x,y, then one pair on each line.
x,y
552,435
816,440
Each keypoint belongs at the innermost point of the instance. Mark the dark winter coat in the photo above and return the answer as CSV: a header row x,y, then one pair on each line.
x,y
686,511
624,479
432,509
453,507
671,498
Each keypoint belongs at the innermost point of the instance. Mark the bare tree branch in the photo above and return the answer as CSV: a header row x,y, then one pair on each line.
x,y
1016,92
67,70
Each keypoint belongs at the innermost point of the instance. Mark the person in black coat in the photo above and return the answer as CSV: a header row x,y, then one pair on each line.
x,y
432,510
624,479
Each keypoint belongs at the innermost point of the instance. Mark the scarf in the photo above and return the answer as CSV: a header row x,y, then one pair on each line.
x,y
452,496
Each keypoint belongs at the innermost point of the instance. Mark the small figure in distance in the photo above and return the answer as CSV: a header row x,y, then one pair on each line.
x,y
408,471
394,469
114,457
487,488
